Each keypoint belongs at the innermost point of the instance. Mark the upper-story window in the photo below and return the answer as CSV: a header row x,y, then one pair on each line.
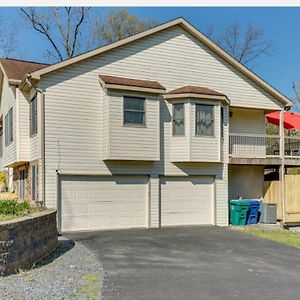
x,y
9,135
33,116
204,120
178,119
134,110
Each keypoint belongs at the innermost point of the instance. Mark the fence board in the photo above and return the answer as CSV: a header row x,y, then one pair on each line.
x,y
292,197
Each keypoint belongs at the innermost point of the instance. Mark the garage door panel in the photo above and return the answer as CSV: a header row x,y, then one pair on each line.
x,y
186,201
112,202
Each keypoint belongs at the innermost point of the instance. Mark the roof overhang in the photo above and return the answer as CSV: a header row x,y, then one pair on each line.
x,y
15,82
132,85
133,88
222,98
193,31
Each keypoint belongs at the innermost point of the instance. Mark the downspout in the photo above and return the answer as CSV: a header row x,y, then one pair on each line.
x,y
43,144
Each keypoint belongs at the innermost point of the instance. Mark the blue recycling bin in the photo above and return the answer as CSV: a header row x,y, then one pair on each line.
x,y
253,212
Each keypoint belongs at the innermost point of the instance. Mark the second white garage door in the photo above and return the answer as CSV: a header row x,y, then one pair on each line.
x,y
103,202
187,201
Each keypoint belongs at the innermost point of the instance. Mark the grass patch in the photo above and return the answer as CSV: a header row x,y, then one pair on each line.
x,y
92,286
12,209
280,236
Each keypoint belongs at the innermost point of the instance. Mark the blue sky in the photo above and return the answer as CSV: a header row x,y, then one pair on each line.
x,y
282,25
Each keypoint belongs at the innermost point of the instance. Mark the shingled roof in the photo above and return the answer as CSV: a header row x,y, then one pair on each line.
x,y
190,89
131,82
17,69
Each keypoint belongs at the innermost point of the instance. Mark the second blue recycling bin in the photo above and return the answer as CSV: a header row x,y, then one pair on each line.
x,y
253,212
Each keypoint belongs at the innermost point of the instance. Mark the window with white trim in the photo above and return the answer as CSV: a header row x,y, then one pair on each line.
x,y
9,135
33,116
204,120
134,110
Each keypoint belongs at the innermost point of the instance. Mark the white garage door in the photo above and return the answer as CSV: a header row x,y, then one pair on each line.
x,y
97,202
187,201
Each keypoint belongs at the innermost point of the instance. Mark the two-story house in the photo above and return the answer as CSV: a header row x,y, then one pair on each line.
x,y
158,129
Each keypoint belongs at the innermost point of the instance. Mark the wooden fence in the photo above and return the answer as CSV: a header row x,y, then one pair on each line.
x,y
292,197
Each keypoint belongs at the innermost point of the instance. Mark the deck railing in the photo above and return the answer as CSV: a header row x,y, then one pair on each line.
x,y
262,146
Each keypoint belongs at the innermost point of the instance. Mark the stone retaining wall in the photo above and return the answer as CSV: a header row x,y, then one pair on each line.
x,y
27,240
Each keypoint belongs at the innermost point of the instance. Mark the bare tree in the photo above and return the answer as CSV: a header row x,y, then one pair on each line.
x,y
61,26
244,44
296,88
9,45
118,24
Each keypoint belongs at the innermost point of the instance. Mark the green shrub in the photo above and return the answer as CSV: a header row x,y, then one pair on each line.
x,y
2,177
12,207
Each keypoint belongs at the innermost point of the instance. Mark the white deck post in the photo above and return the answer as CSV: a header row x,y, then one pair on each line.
x,y
281,168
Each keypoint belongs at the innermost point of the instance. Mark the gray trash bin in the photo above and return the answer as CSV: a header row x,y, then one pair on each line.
x,y
268,213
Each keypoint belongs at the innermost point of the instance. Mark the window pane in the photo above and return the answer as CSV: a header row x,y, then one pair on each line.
x,y
204,120
178,111
33,116
134,110
134,103
11,136
6,129
222,121
178,119
178,128
132,117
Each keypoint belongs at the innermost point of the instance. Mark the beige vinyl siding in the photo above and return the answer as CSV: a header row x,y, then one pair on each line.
x,y
105,124
8,101
247,127
133,142
24,143
247,121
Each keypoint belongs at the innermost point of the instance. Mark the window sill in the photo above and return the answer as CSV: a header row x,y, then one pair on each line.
x,y
135,125
204,136
33,135
7,145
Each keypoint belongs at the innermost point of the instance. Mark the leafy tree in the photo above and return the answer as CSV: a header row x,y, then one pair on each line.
x,y
118,24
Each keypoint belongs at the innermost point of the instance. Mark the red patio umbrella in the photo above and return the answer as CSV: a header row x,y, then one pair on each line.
x,y
290,120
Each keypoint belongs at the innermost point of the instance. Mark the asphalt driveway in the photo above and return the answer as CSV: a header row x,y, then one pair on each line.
x,y
193,263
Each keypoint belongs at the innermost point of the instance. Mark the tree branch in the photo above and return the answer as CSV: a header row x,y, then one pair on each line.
x,y
76,31
38,26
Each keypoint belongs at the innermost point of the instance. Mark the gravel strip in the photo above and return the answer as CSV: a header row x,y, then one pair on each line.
x,y
70,272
